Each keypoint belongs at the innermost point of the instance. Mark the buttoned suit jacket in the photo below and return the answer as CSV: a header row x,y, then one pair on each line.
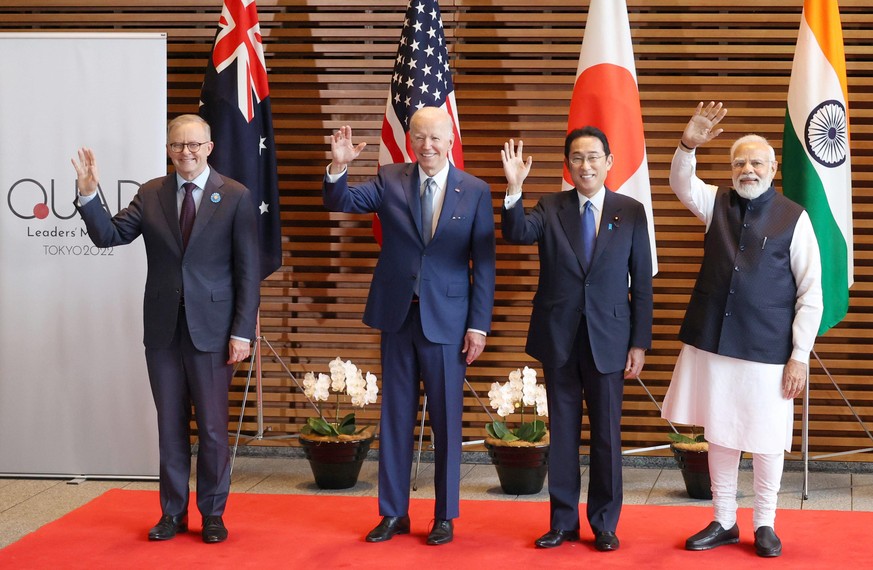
x,y
217,273
453,296
614,293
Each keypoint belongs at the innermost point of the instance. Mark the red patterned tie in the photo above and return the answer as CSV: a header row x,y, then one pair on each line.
x,y
186,216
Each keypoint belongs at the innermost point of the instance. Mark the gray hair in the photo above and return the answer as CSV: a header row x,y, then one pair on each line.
x,y
756,139
189,118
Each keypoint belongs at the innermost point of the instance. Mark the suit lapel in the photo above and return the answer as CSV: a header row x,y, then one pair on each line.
x,y
209,203
412,189
452,196
609,223
170,207
571,222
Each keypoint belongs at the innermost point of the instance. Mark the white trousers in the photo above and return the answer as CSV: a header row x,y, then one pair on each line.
x,y
724,464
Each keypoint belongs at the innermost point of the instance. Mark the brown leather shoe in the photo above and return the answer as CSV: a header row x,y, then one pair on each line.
x,y
557,537
389,526
213,529
168,526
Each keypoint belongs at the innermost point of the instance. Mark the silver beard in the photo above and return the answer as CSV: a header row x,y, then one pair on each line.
x,y
751,191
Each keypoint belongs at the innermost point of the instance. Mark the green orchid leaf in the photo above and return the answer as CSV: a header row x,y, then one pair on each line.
x,y
498,430
525,431
348,420
682,438
321,427
504,432
489,429
539,431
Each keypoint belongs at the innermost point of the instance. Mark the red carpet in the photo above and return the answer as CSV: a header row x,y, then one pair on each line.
x,y
323,531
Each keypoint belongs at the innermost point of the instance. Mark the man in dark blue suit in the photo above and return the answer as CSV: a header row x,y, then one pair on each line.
x,y
590,326
199,313
431,297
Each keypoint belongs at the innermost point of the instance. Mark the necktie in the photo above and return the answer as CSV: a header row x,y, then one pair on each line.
x,y
427,210
186,215
589,233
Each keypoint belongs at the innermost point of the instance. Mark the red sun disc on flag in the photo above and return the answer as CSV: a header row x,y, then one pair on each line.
x,y
606,97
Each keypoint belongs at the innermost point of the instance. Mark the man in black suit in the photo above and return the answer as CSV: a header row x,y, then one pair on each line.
x,y
591,322
201,301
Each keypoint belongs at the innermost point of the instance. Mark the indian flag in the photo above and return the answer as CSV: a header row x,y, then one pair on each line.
x,y
606,96
816,170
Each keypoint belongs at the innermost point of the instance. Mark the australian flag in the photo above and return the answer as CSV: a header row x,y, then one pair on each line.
x,y
235,101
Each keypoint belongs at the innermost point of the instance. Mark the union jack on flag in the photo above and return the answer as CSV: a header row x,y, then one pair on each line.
x,y
235,101
421,78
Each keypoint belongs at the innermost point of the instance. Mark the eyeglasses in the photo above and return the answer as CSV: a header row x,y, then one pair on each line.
x,y
579,160
739,163
192,146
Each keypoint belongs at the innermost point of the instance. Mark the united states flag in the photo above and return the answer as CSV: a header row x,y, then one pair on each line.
x,y
421,78
235,101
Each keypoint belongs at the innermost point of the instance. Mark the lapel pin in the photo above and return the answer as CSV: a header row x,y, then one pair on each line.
x,y
457,189
215,197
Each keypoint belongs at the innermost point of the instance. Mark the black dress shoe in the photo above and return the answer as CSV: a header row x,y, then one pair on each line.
x,y
213,529
555,538
389,526
168,526
605,541
441,533
712,536
767,544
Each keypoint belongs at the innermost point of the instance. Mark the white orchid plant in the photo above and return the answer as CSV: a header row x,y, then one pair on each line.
x,y
520,391
345,378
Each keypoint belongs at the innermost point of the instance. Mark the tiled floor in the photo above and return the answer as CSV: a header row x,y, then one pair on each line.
x,y
27,504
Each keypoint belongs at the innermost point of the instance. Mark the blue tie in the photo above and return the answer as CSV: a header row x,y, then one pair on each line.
x,y
589,234
427,210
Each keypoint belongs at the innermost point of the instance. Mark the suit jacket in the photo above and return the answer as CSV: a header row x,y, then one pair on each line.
x,y
618,314
217,273
453,296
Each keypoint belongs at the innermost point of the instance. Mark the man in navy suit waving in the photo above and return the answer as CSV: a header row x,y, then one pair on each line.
x,y
199,313
591,322
431,297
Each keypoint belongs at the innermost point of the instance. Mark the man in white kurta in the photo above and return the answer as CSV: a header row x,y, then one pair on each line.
x,y
743,404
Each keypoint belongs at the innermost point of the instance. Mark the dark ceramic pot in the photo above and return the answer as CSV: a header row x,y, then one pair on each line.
x,y
336,464
695,470
521,470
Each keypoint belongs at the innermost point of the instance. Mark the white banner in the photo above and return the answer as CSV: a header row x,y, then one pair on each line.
x,y
74,393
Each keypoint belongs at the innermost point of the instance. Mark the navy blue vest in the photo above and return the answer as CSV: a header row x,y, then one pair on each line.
x,y
742,305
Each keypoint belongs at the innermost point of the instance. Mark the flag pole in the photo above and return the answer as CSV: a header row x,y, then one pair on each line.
x,y
259,387
256,370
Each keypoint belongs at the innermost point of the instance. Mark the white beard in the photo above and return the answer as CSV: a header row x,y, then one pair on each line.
x,y
751,190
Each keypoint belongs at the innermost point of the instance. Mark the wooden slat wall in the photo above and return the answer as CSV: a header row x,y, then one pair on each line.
x,y
514,64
